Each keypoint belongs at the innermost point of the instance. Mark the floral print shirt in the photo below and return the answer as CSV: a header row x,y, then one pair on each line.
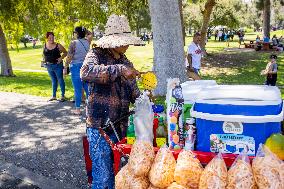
x,y
110,94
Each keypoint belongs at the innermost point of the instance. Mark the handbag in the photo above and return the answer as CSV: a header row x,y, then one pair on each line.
x,y
123,157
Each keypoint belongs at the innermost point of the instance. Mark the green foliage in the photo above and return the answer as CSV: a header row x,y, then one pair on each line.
x,y
225,14
36,17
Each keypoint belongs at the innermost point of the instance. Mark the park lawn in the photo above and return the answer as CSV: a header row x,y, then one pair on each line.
x,y
226,67
33,83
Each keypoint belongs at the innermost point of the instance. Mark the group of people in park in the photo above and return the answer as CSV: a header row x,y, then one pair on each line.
x,y
228,35
53,55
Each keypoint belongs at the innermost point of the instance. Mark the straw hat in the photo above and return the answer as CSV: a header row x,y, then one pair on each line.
x,y
118,33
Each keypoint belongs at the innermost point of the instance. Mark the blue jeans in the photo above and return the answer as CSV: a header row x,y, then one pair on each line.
x,y
77,83
196,71
102,160
55,72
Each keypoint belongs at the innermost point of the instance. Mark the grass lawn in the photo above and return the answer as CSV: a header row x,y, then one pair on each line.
x,y
226,67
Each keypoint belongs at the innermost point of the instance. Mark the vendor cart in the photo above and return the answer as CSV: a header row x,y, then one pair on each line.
x,y
204,157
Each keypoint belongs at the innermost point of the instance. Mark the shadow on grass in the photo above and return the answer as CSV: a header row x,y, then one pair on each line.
x,y
241,67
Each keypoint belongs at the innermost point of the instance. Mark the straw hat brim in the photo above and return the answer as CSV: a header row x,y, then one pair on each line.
x,y
118,40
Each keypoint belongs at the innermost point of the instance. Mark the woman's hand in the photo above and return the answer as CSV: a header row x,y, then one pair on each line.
x,y
130,73
65,71
59,60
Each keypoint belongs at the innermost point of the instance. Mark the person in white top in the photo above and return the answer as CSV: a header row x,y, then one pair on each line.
x,y
194,55
220,33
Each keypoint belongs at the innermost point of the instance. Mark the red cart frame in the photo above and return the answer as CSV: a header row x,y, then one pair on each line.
x,y
204,157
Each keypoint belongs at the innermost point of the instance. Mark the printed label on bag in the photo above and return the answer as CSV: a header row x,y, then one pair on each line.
x,y
232,143
233,127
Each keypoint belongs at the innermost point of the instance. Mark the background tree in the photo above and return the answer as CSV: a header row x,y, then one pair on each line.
x,y
168,44
206,12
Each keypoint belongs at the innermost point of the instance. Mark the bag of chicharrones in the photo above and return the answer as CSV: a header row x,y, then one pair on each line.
x,y
174,185
141,158
240,174
143,118
153,187
121,179
214,175
162,171
125,179
268,169
188,170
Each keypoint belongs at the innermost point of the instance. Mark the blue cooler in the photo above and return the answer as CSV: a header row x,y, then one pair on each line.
x,y
231,118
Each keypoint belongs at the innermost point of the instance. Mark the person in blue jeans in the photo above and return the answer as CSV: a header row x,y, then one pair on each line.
x,y
76,55
112,87
53,55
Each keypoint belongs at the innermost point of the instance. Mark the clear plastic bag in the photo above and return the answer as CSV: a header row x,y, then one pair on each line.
x,y
240,174
138,182
268,169
174,185
214,175
162,171
126,180
153,187
188,170
141,158
121,179
143,118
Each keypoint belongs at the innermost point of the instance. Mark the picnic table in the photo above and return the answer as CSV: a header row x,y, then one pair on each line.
x,y
264,45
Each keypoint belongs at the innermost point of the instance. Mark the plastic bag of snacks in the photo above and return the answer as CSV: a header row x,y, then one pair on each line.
x,y
268,169
214,175
153,187
125,179
240,174
138,182
143,118
188,170
162,171
121,179
174,185
141,158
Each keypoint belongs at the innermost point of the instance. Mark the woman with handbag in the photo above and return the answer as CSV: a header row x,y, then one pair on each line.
x,y
54,63
112,83
76,54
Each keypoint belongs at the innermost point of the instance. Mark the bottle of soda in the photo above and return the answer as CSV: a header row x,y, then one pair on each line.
x,y
189,133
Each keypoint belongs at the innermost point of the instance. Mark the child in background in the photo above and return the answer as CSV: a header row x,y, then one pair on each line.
x,y
271,71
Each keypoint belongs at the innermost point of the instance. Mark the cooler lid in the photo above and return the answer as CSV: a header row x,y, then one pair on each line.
x,y
240,95
191,88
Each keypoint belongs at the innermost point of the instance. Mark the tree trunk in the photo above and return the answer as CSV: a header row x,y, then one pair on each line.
x,y
266,18
206,19
169,60
5,61
181,19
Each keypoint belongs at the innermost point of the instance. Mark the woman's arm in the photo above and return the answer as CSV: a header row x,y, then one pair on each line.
x,y
94,71
71,52
62,50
